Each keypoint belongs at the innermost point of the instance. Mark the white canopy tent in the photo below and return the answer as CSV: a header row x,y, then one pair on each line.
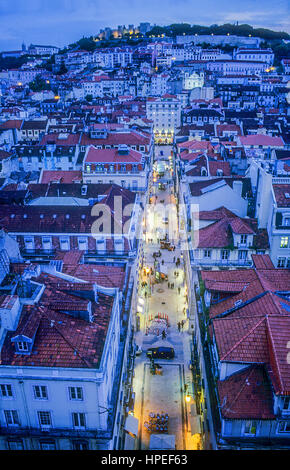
x,y
162,442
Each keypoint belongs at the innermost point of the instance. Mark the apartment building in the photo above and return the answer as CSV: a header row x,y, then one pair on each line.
x,y
62,363
248,325
102,222
165,112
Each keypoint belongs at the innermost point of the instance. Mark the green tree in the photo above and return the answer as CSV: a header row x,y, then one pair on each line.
x,y
39,84
62,69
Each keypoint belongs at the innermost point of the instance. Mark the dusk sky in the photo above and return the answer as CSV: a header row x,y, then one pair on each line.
x,y
60,22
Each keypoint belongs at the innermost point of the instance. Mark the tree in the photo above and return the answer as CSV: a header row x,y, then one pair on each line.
x,y
39,84
62,69
89,98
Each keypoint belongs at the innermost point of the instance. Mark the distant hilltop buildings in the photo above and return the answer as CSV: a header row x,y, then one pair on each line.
x,y
33,49
121,31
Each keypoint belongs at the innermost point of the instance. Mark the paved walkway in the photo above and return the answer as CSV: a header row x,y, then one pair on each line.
x,y
166,392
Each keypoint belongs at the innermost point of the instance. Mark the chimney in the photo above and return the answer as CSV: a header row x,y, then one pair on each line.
x,y
238,187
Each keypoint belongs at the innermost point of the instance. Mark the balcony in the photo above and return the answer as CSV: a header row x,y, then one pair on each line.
x,y
221,262
244,245
25,431
38,252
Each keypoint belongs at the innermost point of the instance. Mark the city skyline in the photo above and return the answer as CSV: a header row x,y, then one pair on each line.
x,y
40,22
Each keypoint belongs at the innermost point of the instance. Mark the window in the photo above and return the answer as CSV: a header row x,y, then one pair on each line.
x,y
243,254
286,404
250,428
76,393
22,346
44,418
6,391
64,244
16,444
225,254
207,253
243,239
46,243
47,444
79,420
284,242
284,426
80,445
281,262
29,243
83,244
40,392
11,417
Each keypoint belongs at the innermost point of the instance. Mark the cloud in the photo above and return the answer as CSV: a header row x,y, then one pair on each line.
x,y
61,22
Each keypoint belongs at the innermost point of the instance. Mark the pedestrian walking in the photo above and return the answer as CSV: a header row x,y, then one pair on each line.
x,y
162,262
163,334
178,290
172,285
174,257
168,285
182,324
178,326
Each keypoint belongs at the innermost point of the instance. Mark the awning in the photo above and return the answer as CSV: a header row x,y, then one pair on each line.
x,y
195,425
162,442
131,425
193,409
129,442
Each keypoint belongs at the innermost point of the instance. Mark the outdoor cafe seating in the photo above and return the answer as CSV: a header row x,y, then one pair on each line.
x,y
157,422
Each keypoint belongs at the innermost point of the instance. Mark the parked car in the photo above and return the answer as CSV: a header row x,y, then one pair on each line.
x,y
160,353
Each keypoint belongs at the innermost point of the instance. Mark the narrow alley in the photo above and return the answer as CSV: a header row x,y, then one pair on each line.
x,y
164,400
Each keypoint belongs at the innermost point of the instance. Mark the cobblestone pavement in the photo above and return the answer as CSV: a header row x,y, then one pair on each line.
x,y
166,392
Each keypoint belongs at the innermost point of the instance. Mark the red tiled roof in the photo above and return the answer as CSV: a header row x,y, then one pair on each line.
x,y
228,127
265,140
239,225
280,191
262,262
195,145
242,338
214,166
219,233
257,328
279,334
69,176
111,155
60,339
4,154
246,394
66,140
11,124
117,138
63,219
106,276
